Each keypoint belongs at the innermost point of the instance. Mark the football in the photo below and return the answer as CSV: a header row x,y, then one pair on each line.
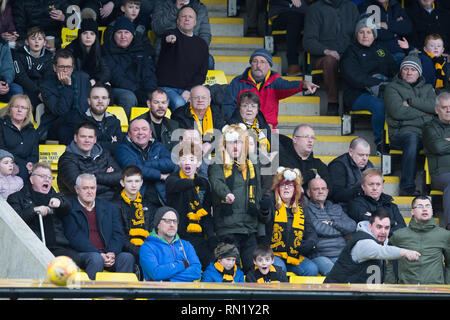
x,y
60,269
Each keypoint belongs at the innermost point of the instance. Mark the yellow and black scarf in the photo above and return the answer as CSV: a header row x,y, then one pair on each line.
x,y
261,138
439,63
227,275
258,84
207,124
248,173
137,220
196,211
287,246
271,277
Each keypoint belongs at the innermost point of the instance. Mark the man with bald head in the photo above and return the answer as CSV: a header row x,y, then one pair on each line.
x,y
331,224
139,148
298,153
345,171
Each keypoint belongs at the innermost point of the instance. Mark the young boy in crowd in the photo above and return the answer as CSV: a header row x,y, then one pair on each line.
x,y
190,195
265,271
225,268
9,181
435,68
134,214
32,63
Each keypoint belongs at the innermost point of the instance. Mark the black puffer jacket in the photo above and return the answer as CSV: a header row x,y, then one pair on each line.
x,y
73,163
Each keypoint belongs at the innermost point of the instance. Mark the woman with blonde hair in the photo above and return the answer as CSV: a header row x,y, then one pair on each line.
x,y
236,192
18,135
289,232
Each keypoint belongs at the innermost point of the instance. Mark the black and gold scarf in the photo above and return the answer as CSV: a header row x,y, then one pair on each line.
x,y
439,63
196,211
287,246
227,275
261,138
137,231
271,277
248,173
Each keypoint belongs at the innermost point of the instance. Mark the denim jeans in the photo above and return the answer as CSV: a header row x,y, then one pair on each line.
x,y
410,143
305,268
175,98
324,264
14,88
375,105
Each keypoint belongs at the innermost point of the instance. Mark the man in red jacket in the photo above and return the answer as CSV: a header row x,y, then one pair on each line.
x,y
268,84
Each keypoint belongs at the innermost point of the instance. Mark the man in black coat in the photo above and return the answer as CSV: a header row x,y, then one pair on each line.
x,y
346,171
362,207
38,197
85,155
65,95
298,153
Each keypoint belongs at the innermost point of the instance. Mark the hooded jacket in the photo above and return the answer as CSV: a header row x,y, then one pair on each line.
x,y
73,162
421,99
163,261
360,257
329,24
433,243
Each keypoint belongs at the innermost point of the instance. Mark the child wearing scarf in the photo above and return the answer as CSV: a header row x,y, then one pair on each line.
x,y
225,268
265,271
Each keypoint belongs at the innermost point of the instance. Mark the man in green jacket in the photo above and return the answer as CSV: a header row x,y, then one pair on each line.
x,y
433,242
436,143
409,103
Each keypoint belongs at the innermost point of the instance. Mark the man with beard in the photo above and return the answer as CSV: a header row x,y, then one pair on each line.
x,y
161,126
38,197
107,126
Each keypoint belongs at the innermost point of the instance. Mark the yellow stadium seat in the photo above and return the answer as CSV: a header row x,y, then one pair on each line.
x,y
80,276
137,111
55,181
3,104
67,36
360,112
119,112
308,280
215,77
50,153
428,179
116,277
151,36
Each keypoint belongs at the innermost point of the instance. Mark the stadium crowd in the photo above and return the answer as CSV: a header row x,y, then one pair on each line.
x,y
214,192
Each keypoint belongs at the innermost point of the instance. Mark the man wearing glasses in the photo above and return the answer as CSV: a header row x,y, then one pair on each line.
x,y
298,153
65,94
39,198
433,243
166,257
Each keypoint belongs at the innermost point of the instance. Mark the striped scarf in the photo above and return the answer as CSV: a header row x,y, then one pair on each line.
x,y
205,127
439,63
137,232
227,275
248,173
196,212
261,138
286,245
271,277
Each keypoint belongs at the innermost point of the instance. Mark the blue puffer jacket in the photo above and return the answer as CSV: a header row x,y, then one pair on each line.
x,y
161,260
153,161
212,275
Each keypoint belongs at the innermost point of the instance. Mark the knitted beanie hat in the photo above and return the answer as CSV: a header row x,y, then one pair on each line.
x,y
160,212
263,53
412,60
366,22
4,154
123,23
89,25
226,250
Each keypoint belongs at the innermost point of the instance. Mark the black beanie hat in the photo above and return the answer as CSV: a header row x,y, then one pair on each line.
x,y
89,25
123,23
160,212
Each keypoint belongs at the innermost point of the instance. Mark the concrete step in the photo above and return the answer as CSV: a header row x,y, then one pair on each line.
x,y
299,106
404,205
391,185
236,46
322,125
216,8
227,27
237,64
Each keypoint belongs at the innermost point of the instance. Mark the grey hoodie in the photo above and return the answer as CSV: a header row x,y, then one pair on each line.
x,y
368,249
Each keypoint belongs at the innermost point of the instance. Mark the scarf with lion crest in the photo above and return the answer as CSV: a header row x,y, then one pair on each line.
x,y
196,211
284,245
137,232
